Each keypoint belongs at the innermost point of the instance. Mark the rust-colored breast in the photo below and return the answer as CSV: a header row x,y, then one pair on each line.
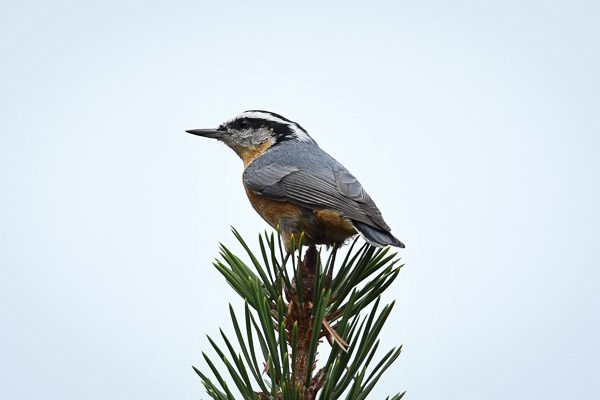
x,y
273,211
250,153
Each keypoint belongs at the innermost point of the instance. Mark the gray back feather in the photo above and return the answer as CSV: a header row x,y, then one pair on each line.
x,y
304,174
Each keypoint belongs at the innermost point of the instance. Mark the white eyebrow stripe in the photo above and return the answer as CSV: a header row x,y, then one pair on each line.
x,y
262,115
303,136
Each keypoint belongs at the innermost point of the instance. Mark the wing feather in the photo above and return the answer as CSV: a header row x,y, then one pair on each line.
x,y
314,186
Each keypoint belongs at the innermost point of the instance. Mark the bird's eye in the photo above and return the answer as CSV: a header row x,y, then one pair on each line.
x,y
244,123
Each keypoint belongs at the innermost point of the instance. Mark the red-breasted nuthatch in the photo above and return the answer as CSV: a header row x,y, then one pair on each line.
x,y
295,185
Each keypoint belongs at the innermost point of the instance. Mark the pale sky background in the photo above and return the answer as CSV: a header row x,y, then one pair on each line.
x,y
475,126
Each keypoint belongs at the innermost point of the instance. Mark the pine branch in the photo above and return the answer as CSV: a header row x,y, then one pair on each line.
x,y
290,309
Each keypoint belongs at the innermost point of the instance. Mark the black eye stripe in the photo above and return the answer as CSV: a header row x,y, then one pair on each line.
x,y
281,130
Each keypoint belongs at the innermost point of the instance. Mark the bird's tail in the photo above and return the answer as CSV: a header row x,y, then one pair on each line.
x,y
376,237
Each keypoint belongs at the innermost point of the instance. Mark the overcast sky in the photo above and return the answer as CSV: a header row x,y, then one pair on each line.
x,y
475,126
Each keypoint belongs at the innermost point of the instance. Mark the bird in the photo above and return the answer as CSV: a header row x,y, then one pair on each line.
x,y
297,187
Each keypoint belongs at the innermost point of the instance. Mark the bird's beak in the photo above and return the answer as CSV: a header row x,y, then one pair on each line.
x,y
209,133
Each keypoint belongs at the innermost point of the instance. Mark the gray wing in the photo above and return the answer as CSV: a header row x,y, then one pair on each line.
x,y
315,185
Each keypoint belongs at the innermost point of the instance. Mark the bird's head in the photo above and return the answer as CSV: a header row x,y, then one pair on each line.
x,y
252,132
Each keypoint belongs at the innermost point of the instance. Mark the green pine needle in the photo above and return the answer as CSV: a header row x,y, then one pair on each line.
x,y
287,310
